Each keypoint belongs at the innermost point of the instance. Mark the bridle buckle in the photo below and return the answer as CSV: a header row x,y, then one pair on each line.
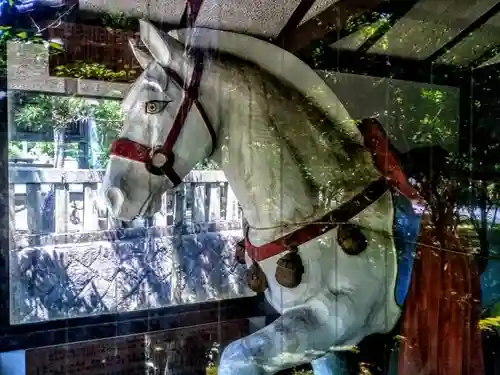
x,y
160,162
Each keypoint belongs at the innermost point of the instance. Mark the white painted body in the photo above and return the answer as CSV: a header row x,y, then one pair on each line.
x,y
289,160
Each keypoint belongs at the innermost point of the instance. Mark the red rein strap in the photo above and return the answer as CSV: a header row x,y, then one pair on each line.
x,y
132,150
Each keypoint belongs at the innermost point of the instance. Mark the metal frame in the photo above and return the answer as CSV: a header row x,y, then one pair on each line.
x,y
294,21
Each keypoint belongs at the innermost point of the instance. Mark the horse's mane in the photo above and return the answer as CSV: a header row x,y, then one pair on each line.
x,y
330,163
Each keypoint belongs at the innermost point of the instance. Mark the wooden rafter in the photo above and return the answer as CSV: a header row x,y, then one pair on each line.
x,y
347,61
294,21
333,19
465,33
491,53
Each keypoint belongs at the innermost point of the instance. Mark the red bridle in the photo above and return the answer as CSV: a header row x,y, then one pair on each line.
x,y
159,160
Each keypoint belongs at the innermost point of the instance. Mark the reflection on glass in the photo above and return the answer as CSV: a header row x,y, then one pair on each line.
x,y
68,257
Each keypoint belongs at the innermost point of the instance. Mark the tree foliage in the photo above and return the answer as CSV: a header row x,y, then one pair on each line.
x,y
52,113
49,113
46,112
93,70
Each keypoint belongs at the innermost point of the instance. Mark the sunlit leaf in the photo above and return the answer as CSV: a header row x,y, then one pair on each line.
x,y
56,46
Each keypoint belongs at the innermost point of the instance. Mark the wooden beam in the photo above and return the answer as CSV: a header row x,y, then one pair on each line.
x,y
333,19
465,33
27,175
492,52
294,21
348,61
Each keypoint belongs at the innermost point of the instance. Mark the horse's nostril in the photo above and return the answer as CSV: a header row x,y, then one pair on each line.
x,y
114,197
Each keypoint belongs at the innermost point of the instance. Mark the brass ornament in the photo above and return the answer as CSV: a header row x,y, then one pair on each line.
x,y
159,159
289,270
239,253
256,278
351,239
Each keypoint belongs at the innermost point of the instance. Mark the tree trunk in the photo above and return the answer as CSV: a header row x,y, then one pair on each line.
x,y
59,147
48,219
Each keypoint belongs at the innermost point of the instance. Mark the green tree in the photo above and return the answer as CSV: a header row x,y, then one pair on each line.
x,y
108,117
51,113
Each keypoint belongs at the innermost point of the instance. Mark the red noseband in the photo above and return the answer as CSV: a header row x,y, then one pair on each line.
x,y
159,160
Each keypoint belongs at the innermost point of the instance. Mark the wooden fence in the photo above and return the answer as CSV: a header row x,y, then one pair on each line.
x,y
70,198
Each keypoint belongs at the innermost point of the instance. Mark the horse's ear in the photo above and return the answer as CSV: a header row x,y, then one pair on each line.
x,y
142,57
155,43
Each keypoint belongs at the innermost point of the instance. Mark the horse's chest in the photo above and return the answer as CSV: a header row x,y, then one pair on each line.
x,y
339,259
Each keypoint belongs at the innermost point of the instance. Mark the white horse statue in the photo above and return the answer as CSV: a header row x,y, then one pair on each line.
x,y
320,216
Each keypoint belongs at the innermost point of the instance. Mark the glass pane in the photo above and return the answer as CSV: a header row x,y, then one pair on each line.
x,y
371,202
70,258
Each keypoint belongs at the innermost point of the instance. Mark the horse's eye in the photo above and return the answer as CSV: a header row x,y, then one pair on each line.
x,y
156,106
351,239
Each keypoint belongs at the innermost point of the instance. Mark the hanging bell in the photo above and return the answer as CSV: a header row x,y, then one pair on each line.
x,y
256,278
239,252
351,239
289,269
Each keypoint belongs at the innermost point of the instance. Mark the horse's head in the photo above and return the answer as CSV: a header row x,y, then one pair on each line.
x,y
165,131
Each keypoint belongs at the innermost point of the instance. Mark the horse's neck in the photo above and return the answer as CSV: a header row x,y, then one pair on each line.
x,y
280,164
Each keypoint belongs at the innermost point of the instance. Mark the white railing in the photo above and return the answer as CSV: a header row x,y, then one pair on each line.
x,y
61,201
